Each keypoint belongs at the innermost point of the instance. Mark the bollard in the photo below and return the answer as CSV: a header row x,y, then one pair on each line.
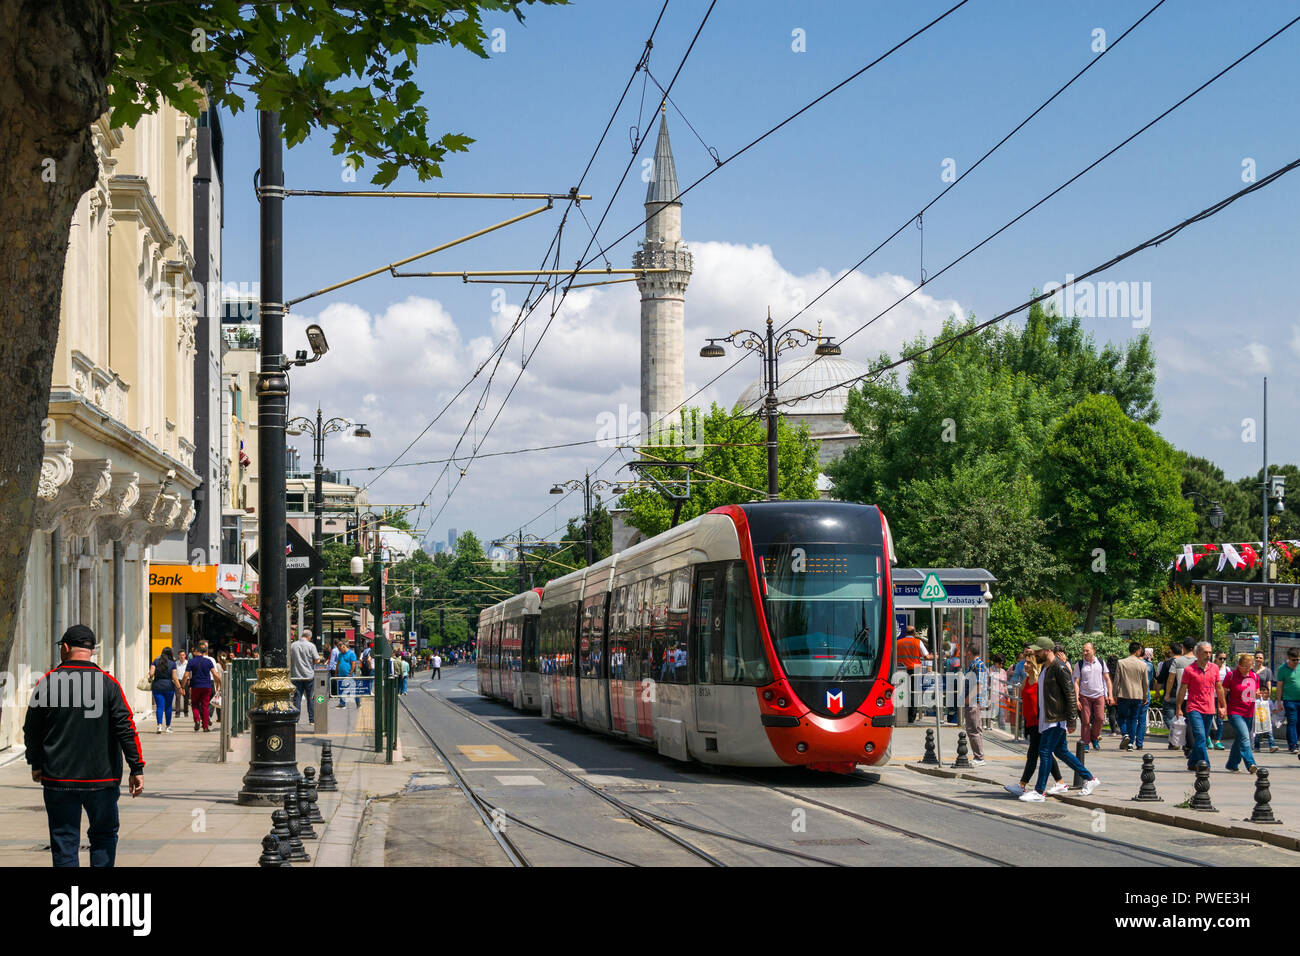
x,y
297,852
1147,792
270,852
1263,813
305,829
313,811
1201,799
962,762
1081,755
327,782
280,830
929,757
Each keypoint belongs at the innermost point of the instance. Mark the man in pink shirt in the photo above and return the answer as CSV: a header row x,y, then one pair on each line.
x,y
1200,694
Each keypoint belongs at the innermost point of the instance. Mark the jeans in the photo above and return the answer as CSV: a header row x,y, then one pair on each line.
x,y
1265,733
1216,730
1169,711
1031,758
1128,717
1292,708
403,687
162,704
1052,745
63,812
1143,706
1240,745
301,689
1197,726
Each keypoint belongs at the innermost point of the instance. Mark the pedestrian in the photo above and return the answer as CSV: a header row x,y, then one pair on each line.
x,y
77,731
162,672
1241,688
952,668
302,671
1216,730
333,664
1112,708
1093,689
1022,664
1200,695
911,655
1288,690
1058,708
1029,708
998,688
182,696
1166,701
1264,727
406,673
437,665
1176,667
975,698
202,680
1131,682
347,684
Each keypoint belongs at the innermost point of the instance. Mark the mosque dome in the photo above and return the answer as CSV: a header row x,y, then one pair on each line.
x,y
809,374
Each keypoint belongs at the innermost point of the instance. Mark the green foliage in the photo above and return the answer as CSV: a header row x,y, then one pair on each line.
x,y
1179,612
1008,632
739,473
1205,478
1048,617
602,546
1111,487
347,68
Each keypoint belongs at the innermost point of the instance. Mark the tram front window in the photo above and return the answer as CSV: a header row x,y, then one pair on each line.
x,y
823,610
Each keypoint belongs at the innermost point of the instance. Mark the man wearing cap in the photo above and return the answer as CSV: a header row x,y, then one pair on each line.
x,y
78,729
1058,709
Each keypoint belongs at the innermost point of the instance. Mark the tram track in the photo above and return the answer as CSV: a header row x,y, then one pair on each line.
x,y
651,820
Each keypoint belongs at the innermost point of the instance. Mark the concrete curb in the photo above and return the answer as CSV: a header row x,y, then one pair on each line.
x,y
1200,821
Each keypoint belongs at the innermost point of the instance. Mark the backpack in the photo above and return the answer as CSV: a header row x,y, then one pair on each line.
x,y
1162,675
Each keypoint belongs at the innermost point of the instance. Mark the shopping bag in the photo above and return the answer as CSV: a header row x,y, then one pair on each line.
x,y
1263,715
1279,715
1178,731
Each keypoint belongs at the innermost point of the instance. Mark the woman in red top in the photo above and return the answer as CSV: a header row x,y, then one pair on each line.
x,y
1029,707
1241,687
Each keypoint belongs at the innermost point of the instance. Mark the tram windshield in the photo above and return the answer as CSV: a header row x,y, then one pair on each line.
x,y
823,609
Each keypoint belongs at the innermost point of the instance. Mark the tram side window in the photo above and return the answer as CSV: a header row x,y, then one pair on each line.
x,y
743,658
641,634
530,644
676,665
618,634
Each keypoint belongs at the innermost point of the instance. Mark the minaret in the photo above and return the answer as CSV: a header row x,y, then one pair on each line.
x,y
663,294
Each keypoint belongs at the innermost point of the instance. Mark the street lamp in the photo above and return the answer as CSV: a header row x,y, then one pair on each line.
x,y
318,430
586,486
1216,512
769,346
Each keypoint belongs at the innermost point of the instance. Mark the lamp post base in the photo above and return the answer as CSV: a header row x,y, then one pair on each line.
x,y
273,765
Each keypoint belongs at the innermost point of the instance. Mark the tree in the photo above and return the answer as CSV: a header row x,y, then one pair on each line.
x,y
1048,617
602,539
1111,488
1008,632
733,472
1206,479
343,68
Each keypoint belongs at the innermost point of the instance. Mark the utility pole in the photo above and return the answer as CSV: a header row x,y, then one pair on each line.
x,y
1264,552
273,765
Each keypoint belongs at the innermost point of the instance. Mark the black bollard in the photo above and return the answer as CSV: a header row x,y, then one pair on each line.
x,y
1081,755
270,852
313,811
1263,813
297,852
962,762
929,757
1201,799
327,783
305,829
280,830
1147,792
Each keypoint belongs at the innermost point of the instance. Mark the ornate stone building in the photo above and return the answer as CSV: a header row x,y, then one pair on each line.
x,y
118,476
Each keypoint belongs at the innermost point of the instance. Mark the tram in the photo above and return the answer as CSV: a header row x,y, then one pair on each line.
x,y
754,635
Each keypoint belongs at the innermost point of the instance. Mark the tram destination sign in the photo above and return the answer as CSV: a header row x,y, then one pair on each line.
x,y
956,595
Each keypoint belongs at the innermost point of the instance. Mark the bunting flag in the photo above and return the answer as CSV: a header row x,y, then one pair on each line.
x,y
1247,552
1187,560
1244,555
1229,555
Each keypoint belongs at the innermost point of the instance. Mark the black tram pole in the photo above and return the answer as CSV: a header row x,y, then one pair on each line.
x,y
586,501
272,769
770,402
318,581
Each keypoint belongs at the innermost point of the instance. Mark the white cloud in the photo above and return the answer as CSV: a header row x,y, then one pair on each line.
x,y
396,370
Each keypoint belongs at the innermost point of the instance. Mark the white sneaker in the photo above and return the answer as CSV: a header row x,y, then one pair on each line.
x,y
169,730
159,728
977,763
1090,785
1033,796
1014,789
1061,787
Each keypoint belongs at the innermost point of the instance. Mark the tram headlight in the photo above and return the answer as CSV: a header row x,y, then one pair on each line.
x,y
869,747
768,695
880,702
801,747
782,702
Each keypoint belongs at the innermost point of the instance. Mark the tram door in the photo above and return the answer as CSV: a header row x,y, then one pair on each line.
x,y
706,632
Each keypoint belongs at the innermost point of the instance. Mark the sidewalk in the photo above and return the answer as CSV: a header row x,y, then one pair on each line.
x,y
187,815
1233,794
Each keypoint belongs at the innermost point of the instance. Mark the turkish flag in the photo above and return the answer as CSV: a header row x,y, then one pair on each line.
x,y
1249,554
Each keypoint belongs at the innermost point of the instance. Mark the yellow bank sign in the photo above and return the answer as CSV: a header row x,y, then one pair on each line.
x,y
182,579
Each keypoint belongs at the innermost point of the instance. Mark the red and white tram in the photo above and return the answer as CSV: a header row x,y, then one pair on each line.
x,y
754,635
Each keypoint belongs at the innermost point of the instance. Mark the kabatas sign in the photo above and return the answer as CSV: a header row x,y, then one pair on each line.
x,y
182,579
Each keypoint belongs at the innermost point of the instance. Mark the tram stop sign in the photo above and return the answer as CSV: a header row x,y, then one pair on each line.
x,y
300,558
933,590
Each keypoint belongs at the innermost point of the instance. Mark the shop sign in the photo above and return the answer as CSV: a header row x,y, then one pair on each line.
x,y
182,579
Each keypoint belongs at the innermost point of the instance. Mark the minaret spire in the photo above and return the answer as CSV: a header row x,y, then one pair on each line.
x,y
663,294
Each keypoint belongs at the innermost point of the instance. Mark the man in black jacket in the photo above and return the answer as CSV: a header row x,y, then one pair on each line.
x,y
77,730
1058,709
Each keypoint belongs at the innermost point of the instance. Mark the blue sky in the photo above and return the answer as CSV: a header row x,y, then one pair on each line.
x,y
803,206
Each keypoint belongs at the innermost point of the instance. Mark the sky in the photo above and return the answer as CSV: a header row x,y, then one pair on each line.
x,y
775,226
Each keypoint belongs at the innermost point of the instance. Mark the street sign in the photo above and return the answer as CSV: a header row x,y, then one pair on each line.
x,y
301,561
410,636
933,589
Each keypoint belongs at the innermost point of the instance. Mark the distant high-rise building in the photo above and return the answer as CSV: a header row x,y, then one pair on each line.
x,y
451,539
439,547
